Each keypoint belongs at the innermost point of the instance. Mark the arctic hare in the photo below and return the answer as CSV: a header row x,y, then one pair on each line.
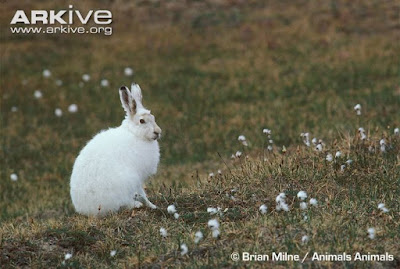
x,y
110,170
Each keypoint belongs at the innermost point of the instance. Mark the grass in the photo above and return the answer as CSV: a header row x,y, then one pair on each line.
x,y
209,72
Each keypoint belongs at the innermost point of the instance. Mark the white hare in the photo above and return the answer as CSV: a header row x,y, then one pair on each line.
x,y
110,170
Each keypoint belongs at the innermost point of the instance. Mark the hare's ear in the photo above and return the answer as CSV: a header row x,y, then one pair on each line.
x,y
136,93
128,103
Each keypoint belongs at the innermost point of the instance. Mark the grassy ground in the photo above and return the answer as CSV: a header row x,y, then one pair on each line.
x,y
210,71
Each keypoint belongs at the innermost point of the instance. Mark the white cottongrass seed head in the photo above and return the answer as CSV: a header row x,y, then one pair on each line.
x,y
171,209
73,108
263,209
163,232
313,202
266,131
46,73
213,224
303,205
241,138
282,206
362,133
383,148
382,144
14,109
318,147
385,210
215,233
305,135
211,175
281,203
14,177
396,131
38,94
212,210
113,253
371,233
302,195
59,82
314,141
67,256
382,207
281,197
329,157
306,138
357,108
304,239
198,236
342,167
128,71
184,249
338,154
58,112
238,154
104,83
86,77
176,215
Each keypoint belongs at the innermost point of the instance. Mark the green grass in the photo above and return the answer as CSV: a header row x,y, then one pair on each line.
x,y
209,73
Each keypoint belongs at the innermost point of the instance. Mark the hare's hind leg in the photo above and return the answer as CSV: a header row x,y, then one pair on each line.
x,y
142,197
135,204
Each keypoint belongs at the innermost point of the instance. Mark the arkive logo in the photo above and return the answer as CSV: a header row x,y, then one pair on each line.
x,y
66,18
50,17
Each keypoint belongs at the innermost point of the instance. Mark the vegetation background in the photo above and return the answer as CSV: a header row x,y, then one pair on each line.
x,y
210,71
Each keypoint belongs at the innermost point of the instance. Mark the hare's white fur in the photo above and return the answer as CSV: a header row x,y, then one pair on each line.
x,y
110,170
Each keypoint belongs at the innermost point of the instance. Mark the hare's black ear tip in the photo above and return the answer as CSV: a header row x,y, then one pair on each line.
x,y
123,88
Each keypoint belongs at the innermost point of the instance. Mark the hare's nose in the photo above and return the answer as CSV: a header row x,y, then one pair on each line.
x,y
158,135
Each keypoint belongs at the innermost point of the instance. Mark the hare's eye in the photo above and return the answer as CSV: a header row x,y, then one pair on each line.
x,y
142,121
